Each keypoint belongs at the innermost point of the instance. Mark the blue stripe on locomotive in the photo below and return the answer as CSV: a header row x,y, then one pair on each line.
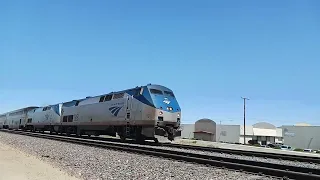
x,y
159,100
155,100
144,98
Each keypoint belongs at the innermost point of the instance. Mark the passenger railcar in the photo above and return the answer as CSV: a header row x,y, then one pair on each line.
x,y
140,113
3,119
43,118
15,119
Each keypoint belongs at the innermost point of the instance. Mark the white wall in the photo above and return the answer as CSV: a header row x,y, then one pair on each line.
x,y
228,133
302,136
249,130
187,131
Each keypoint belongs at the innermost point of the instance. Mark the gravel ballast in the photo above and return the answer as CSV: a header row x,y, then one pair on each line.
x,y
95,163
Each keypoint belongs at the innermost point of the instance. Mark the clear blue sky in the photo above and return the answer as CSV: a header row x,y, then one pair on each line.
x,y
209,53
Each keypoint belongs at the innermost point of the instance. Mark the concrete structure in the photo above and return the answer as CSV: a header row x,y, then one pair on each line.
x,y
206,129
187,131
228,133
264,133
304,137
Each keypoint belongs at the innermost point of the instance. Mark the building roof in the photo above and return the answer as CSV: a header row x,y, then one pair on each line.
x,y
264,125
302,124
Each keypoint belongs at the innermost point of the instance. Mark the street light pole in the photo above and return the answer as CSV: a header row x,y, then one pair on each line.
x,y
244,118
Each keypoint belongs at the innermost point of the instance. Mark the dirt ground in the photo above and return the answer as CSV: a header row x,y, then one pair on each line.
x,y
16,165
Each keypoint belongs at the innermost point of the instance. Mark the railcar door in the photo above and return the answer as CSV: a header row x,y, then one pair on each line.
x,y
128,107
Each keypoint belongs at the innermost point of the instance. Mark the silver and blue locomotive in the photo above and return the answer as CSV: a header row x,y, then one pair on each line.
x,y
139,113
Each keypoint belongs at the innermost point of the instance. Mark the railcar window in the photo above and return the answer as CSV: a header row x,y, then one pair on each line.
x,y
16,113
108,97
29,120
137,91
77,103
155,91
101,98
70,118
117,96
65,118
169,93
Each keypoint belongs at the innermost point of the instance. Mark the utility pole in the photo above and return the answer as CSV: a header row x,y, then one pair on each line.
x,y
244,118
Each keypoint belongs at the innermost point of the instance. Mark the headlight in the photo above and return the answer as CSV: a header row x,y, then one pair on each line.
x,y
178,114
160,113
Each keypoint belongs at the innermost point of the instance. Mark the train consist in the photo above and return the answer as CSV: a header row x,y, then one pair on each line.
x,y
141,113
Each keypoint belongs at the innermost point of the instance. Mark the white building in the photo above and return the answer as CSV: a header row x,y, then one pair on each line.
x,y
263,133
302,136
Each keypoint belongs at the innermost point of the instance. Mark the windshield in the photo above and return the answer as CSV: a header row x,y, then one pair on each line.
x,y
169,93
156,91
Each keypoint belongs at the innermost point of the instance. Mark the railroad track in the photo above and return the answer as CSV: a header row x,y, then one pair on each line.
x,y
268,169
271,155
249,153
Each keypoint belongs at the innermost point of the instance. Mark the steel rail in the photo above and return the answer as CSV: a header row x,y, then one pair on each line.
x,y
248,153
272,155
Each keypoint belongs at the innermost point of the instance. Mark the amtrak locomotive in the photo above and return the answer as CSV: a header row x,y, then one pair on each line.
x,y
139,113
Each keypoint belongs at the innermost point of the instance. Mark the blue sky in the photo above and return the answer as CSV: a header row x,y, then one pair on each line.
x,y
209,53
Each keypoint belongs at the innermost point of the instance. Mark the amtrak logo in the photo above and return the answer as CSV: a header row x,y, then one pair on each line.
x,y
166,100
115,110
76,117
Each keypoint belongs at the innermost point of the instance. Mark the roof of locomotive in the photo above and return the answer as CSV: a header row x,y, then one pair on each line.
x,y
156,86
21,109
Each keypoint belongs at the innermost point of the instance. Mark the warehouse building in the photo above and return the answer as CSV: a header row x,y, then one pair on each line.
x,y
207,130
302,136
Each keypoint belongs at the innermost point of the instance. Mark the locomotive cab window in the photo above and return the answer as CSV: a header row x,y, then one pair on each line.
x,y
136,92
169,93
156,91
